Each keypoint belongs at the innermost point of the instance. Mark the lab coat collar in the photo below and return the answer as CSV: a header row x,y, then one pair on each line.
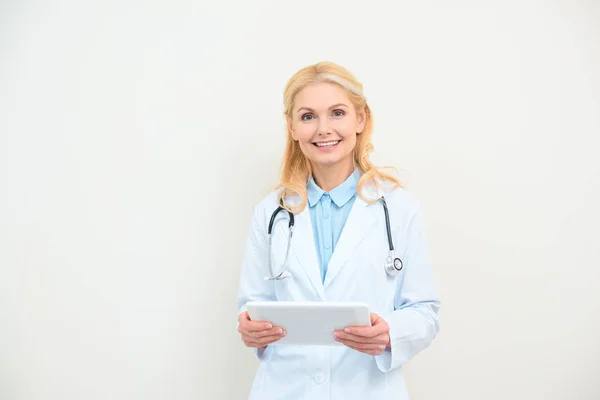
x,y
305,250
361,220
303,246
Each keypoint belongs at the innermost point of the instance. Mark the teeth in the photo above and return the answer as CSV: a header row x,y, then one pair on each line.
x,y
327,144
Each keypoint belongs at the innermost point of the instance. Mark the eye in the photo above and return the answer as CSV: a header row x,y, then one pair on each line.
x,y
338,113
307,117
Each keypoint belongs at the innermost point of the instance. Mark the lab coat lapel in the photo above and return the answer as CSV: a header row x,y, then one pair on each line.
x,y
360,221
304,249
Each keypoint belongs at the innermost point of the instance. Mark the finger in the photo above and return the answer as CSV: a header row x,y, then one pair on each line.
x,y
379,341
256,325
363,346
276,331
363,331
379,326
381,338
252,326
368,349
356,346
245,321
374,318
263,341
243,316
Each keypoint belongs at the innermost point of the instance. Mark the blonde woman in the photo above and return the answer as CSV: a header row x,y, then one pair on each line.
x,y
348,215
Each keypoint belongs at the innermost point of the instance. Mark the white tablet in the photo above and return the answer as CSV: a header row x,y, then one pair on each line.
x,y
310,323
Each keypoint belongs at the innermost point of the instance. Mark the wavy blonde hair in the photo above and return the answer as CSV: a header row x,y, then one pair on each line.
x,y
296,168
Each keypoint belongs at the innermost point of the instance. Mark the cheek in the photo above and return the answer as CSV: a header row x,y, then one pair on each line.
x,y
304,132
304,136
349,138
346,129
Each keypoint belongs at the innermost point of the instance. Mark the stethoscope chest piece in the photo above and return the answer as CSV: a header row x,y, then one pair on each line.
x,y
393,266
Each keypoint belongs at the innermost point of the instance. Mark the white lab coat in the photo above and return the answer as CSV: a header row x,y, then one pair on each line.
x,y
408,302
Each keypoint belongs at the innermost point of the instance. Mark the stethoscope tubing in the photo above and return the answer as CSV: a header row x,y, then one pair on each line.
x,y
389,264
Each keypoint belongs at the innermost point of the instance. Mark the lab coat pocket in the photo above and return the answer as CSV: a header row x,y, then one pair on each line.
x,y
263,369
267,353
371,282
282,289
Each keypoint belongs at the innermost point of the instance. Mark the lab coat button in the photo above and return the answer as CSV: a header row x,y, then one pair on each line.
x,y
319,378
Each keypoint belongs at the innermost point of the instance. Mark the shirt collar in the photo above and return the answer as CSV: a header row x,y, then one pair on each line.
x,y
340,195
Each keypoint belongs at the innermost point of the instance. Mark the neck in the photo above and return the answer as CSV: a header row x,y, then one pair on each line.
x,y
328,178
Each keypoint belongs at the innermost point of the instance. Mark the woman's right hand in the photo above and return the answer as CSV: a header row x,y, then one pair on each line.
x,y
258,333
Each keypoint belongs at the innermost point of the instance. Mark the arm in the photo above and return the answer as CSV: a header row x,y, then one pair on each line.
x,y
414,322
252,286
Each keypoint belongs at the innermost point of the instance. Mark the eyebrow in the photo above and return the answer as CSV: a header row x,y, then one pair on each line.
x,y
333,106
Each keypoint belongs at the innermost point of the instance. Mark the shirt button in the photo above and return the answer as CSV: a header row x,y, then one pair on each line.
x,y
327,246
319,378
326,216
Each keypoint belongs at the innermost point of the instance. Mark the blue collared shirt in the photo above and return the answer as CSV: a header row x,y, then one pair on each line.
x,y
328,213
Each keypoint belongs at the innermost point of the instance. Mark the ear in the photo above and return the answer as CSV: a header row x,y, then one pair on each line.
x,y
289,126
361,119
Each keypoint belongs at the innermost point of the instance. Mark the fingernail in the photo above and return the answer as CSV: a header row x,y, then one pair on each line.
x,y
336,335
268,326
284,333
279,331
347,330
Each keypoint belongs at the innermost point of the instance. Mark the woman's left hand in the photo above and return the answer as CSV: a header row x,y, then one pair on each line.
x,y
367,339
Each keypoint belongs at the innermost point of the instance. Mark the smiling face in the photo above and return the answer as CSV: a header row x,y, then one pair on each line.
x,y
325,124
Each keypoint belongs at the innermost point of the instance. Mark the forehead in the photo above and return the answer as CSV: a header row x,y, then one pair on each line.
x,y
321,96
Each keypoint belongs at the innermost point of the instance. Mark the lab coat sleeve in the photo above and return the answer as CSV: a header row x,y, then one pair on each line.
x,y
252,286
414,322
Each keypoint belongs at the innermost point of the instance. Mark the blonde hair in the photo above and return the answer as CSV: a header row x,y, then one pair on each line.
x,y
296,168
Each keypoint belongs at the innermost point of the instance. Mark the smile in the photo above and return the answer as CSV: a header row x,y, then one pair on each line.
x,y
327,144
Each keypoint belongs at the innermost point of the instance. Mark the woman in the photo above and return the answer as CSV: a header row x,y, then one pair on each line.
x,y
337,253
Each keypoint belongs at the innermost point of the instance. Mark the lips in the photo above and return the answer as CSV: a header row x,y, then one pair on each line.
x,y
328,144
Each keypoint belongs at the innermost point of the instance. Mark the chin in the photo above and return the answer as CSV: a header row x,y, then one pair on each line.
x,y
329,161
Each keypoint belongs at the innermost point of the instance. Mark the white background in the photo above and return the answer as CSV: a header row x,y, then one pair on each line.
x,y
136,137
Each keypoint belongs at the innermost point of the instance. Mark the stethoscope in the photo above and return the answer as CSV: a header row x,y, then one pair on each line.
x,y
392,265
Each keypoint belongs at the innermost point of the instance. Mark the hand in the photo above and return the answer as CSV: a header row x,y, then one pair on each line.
x,y
258,333
367,339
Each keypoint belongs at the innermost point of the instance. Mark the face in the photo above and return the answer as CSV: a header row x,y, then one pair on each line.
x,y
325,125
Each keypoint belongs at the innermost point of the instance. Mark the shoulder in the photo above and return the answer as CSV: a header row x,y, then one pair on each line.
x,y
403,206
398,199
270,201
265,207
402,198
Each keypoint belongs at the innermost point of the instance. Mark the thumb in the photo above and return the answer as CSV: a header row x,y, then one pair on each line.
x,y
243,316
375,319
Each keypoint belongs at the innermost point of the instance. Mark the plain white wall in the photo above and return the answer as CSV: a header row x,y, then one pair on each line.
x,y
136,137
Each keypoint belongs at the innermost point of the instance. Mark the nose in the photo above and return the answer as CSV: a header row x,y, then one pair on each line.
x,y
324,127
